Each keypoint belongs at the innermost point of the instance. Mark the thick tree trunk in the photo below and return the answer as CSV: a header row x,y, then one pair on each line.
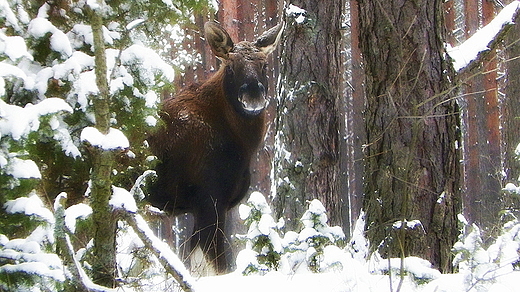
x,y
482,156
492,161
307,160
412,162
511,110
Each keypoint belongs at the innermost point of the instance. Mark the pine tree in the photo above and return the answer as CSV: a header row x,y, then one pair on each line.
x,y
49,108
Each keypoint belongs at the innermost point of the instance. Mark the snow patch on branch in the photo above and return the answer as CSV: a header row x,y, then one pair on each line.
x,y
14,47
40,27
468,51
18,122
115,139
21,168
122,199
74,213
31,205
297,13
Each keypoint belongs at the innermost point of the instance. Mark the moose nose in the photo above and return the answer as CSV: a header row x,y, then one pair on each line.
x,y
253,87
261,88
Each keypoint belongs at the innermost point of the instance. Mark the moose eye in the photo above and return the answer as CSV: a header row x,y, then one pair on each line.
x,y
229,70
264,68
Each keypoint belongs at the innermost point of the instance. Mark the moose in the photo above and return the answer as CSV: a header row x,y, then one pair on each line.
x,y
209,135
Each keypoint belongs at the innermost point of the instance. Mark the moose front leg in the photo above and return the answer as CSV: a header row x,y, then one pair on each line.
x,y
210,237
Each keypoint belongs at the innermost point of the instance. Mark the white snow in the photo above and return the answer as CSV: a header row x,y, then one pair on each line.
x,y
407,224
115,139
30,205
18,122
75,212
37,268
122,199
258,199
73,66
21,168
420,268
151,99
466,52
134,23
8,15
40,27
296,12
148,61
14,47
150,121
512,188
95,4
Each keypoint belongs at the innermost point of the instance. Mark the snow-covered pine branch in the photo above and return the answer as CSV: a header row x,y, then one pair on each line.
x,y
169,260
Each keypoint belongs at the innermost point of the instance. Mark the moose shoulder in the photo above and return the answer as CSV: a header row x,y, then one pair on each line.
x,y
209,135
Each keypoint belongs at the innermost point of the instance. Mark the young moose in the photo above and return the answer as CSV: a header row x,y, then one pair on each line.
x,y
211,132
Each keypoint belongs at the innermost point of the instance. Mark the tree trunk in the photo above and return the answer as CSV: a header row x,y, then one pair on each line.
x,y
105,223
482,155
355,117
492,161
412,162
511,110
473,92
307,159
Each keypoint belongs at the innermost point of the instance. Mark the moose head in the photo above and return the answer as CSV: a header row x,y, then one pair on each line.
x,y
245,78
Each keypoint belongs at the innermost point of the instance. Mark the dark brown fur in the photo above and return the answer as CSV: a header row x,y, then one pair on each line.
x,y
210,133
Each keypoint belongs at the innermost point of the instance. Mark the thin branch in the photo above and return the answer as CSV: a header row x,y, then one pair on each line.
x,y
168,259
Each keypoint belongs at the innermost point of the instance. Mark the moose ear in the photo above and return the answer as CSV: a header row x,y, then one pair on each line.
x,y
268,41
218,39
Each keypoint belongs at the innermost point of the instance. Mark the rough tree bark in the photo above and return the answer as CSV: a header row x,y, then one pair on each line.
x,y
412,162
511,109
307,160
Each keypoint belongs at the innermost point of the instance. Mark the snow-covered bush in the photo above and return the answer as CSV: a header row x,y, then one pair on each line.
x,y
315,248
420,271
315,242
263,243
27,261
480,266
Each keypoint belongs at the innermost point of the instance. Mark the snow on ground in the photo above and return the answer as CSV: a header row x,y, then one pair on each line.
x,y
349,280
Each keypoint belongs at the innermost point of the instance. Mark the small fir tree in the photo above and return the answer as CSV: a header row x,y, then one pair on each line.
x,y
313,248
263,243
